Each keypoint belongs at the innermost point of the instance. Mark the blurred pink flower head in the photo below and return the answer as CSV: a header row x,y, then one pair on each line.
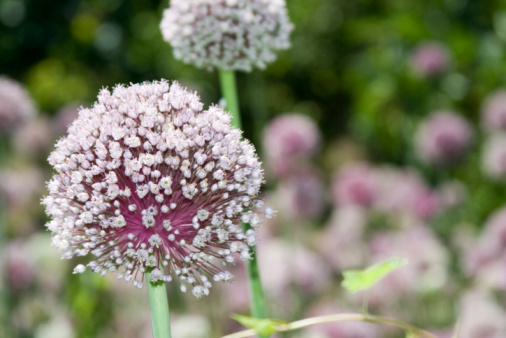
x,y
443,138
342,241
430,59
494,156
485,260
64,118
288,141
283,265
227,34
493,113
147,179
33,137
427,263
452,194
301,196
403,192
20,265
16,105
480,316
21,185
355,184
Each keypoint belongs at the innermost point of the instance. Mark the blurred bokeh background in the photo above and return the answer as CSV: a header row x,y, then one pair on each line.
x,y
382,130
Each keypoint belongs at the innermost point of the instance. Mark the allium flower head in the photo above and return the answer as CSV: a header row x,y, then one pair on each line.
x,y
288,140
226,34
443,138
493,113
147,179
494,156
430,59
355,184
16,104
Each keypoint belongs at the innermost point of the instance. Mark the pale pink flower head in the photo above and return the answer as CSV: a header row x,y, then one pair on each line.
x,y
21,185
283,265
430,59
342,241
403,192
16,105
289,141
493,113
33,137
444,138
20,266
147,179
427,263
64,117
494,156
227,34
301,196
355,184
485,260
480,316
452,194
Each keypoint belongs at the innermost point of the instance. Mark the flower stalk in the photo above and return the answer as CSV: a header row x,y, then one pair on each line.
x,y
229,90
257,304
159,306
344,317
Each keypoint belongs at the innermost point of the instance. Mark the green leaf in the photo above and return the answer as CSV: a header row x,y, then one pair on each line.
x,y
356,280
264,327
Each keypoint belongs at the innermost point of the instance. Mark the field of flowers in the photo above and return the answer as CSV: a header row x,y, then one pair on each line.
x,y
380,127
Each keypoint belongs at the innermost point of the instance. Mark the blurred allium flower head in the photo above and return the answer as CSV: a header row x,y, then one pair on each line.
x,y
485,260
21,185
480,316
430,59
494,156
493,113
64,117
283,264
227,34
147,179
342,242
33,136
355,184
427,268
301,196
443,138
16,105
452,194
289,140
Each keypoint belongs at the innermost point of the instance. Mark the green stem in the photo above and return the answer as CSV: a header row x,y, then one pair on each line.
x,y
229,90
159,305
257,304
345,317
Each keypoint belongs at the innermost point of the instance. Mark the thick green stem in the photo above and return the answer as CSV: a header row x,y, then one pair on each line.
x,y
257,295
159,305
229,89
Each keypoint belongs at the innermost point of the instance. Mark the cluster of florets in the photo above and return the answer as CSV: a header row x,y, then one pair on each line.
x,y
16,104
493,114
226,34
289,141
444,138
147,180
430,59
